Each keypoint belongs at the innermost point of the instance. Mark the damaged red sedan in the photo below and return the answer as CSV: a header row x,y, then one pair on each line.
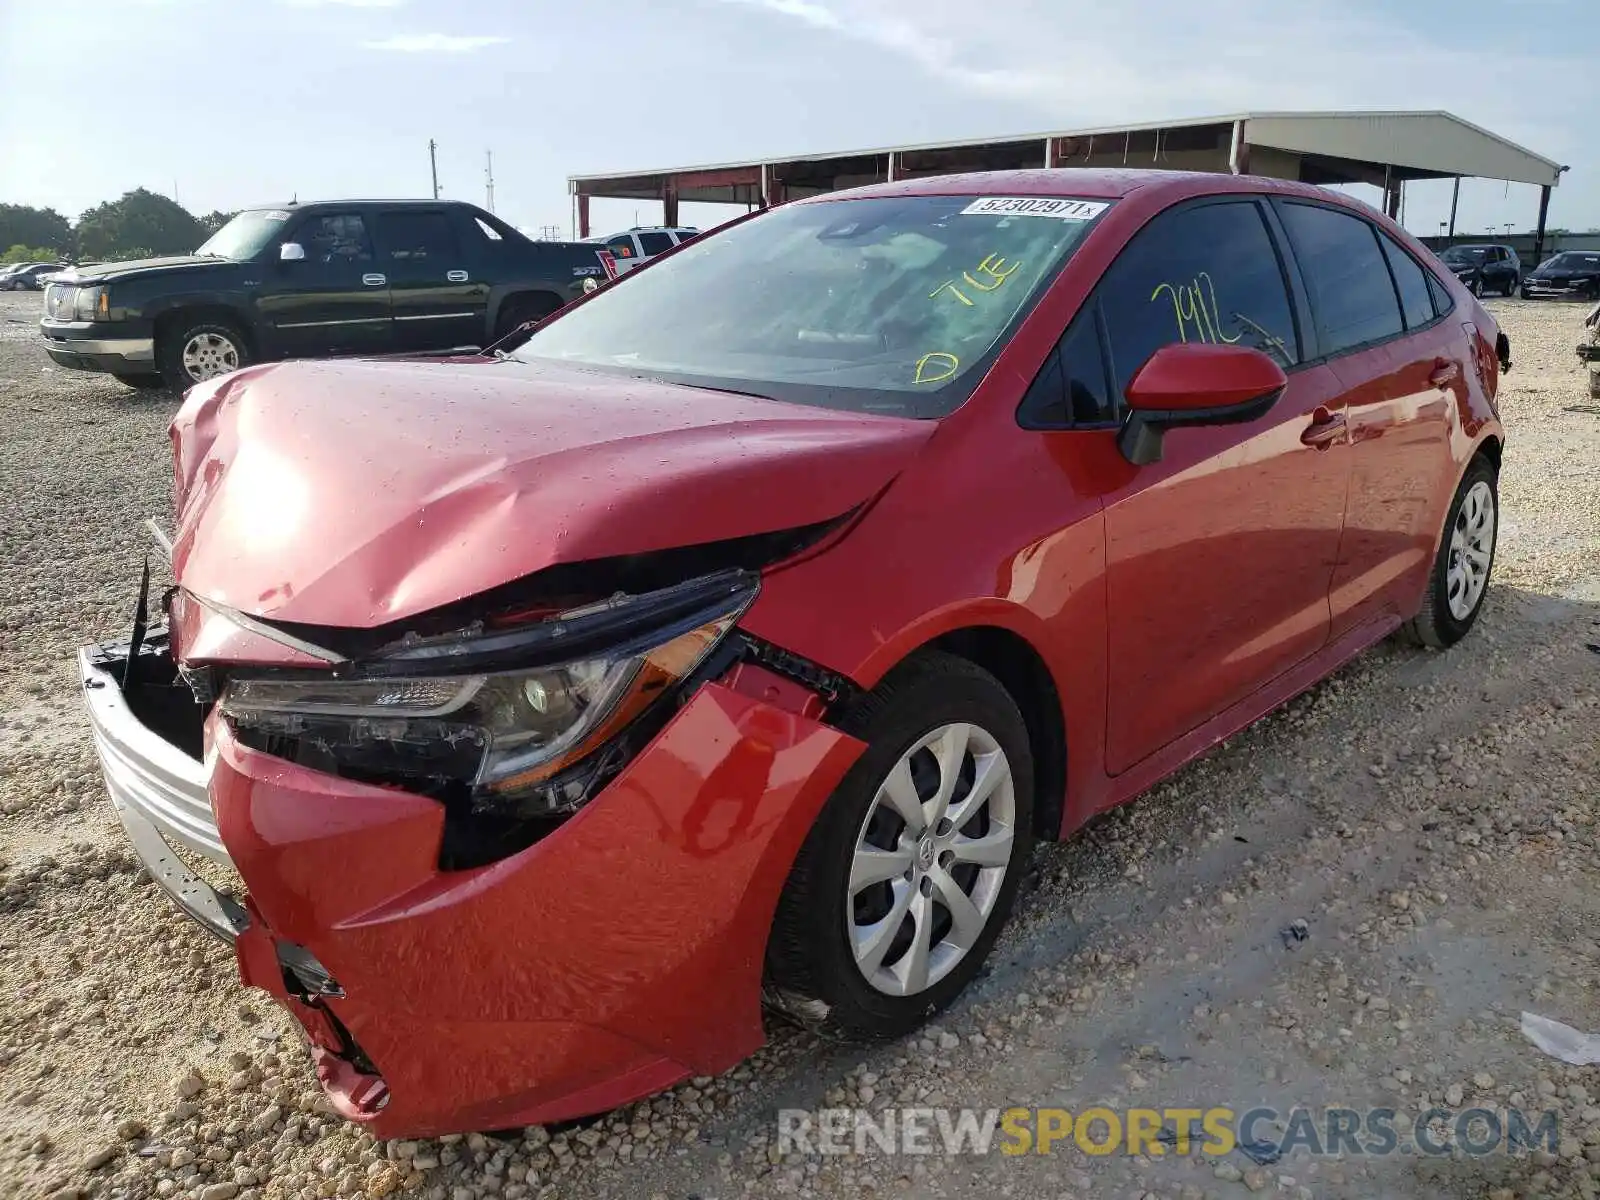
x,y
729,642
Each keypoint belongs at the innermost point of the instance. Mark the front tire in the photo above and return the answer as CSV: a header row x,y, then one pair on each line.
x,y
908,875
194,350
1478,289
1460,577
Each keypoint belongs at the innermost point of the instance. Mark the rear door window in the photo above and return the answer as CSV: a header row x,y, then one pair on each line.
x,y
621,246
1410,282
655,243
1205,273
1351,292
418,237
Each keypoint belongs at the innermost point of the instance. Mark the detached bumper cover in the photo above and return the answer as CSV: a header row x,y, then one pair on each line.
x,y
160,797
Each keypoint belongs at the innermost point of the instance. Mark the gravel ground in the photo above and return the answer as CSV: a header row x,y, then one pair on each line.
x,y
1349,904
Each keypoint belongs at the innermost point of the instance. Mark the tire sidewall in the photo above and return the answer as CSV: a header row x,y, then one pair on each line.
x,y
170,353
920,709
1450,627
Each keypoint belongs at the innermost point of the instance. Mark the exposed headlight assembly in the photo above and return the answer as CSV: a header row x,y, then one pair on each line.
x,y
526,741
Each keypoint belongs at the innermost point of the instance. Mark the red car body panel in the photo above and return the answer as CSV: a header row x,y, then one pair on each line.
x,y
342,494
1169,604
692,848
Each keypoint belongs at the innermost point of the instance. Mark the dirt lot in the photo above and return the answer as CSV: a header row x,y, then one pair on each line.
x,y
1430,818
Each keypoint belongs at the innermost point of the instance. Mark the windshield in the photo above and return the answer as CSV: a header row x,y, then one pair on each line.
x,y
1571,261
245,236
893,305
1466,254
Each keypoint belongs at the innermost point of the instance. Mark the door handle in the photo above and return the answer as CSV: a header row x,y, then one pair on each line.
x,y
1325,429
456,276
374,280
1445,372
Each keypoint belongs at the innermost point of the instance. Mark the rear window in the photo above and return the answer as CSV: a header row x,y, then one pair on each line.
x,y
893,304
1351,292
655,243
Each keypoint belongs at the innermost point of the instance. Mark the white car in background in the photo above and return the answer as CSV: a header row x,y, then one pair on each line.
x,y
642,243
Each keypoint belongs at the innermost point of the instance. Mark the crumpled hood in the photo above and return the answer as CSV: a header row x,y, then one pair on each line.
x,y
353,494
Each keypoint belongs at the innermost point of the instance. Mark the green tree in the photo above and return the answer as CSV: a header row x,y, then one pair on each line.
x,y
28,254
141,219
216,219
21,225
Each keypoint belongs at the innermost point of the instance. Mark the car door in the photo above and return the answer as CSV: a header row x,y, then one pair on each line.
x,y
1402,365
654,242
332,298
437,303
624,250
1219,556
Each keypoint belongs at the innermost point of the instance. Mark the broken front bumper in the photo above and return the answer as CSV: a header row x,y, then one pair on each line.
x,y
160,796
618,955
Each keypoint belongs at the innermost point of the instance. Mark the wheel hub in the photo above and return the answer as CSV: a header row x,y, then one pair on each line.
x,y
932,854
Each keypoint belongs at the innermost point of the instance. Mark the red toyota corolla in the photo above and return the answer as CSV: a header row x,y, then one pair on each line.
x,y
732,639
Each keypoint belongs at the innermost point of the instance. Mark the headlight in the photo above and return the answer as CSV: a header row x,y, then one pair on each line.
x,y
92,304
498,737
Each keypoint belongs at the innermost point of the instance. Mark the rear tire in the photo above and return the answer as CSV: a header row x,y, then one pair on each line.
x,y
522,309
141,383
194,349
867,942
1459,580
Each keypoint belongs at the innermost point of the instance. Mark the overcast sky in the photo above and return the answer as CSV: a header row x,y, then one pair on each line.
x,y
233,102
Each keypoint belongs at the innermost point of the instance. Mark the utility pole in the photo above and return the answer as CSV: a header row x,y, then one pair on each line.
x,y
488,176
433,165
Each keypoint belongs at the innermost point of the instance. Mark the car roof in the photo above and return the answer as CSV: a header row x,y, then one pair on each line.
x,y
407,202
1090,183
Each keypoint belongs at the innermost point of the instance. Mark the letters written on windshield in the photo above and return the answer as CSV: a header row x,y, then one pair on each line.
x,y
887,304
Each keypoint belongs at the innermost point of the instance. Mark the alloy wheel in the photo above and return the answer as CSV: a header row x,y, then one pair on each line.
x,y
930,859
1471,550
209,354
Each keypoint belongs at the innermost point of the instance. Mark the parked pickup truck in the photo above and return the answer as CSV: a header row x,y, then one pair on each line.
x,y
357,277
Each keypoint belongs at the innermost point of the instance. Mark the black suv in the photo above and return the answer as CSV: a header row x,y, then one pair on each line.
x,y
1570,275
1485,269
311,280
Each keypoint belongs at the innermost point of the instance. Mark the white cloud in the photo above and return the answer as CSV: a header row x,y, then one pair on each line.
x,y
434,43
344,3
1155,59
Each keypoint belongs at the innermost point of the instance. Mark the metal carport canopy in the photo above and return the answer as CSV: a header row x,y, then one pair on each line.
x,y
1380,148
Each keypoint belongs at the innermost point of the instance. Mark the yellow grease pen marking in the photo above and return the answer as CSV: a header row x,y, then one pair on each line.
x,y
954,291
946,364
1196,304
991,267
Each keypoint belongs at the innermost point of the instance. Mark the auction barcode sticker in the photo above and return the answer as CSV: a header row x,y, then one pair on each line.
x,y
1035,206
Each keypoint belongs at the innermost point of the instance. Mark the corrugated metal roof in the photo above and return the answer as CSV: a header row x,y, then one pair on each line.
x,y
1435,142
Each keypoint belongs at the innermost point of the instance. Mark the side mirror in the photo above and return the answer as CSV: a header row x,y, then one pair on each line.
x,y
291,252
1194,383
